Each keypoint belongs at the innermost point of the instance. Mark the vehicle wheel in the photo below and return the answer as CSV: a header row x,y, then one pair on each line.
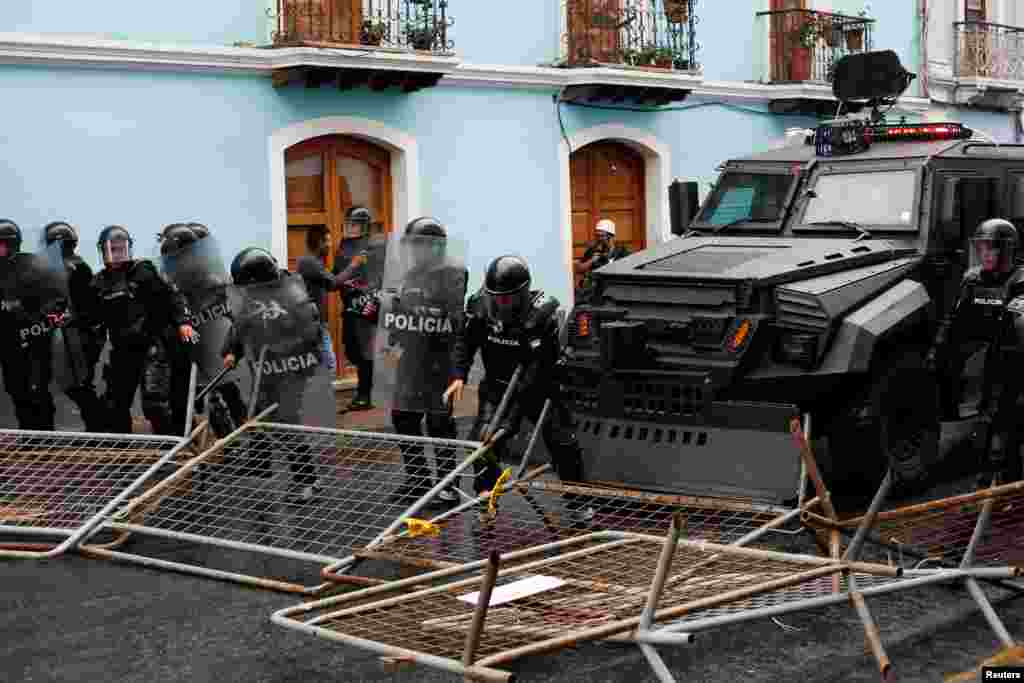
x,y
892,421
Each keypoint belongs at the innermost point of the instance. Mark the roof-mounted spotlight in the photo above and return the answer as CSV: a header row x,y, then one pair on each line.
x,y
871,77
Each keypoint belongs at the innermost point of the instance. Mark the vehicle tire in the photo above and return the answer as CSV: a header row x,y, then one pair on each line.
x,y
892,421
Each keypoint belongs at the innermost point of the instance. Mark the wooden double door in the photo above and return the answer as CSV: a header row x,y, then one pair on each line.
x,y
325,177
607,180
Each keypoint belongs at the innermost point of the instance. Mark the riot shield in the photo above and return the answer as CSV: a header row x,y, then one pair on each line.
x,y
421,310
198,271
277,328
34,309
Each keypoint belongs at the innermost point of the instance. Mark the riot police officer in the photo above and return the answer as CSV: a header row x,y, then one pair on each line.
x,y
80,332
198,271
145,318
280,322
979,319
33,303
511,325
358,268
424,317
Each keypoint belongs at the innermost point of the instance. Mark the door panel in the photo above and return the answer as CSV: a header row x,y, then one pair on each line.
x,y
325,177
606,180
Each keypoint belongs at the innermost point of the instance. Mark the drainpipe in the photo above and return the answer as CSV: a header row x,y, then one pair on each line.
x,y
924,49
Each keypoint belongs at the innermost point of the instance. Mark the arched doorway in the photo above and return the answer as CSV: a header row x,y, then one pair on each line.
x,y
325,176
607,180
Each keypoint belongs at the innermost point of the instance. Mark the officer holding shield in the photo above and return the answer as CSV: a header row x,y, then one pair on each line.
x,y
421,316
81,333
33,302
277,324
146,319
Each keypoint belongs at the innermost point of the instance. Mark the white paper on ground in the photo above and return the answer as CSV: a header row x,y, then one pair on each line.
x,y
516,589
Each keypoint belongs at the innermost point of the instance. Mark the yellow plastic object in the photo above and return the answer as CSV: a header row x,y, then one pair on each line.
x,y
421,527
498,491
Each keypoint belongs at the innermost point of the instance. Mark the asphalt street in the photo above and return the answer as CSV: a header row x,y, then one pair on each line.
x,y
77,619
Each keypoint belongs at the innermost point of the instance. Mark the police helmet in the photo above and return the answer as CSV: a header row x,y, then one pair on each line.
x,y
507,288
254,265
10,238
199,229
115,245
357,221
994,247
62,232
175,237
425,226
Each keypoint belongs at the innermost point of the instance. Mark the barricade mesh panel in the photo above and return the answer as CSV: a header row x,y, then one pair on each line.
x,y
539,511
587,586
939,531
252,493
55,482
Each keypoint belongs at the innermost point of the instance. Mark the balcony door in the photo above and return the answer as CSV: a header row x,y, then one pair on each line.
x,y
782,30
325,177
328,21
606,180
975,48
593,31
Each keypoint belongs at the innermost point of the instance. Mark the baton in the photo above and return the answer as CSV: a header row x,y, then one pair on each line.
x,y
213,383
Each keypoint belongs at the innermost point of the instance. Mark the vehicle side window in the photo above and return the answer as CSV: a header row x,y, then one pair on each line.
x,y
1015,213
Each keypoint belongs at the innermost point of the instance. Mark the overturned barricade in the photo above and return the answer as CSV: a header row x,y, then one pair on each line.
x,y
58,487
238,496
549,597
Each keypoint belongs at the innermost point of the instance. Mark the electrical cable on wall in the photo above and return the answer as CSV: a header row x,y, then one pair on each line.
x,y
561,124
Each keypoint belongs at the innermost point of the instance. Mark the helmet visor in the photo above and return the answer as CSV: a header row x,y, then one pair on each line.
x,y
115,252
993,255
425,250
508,308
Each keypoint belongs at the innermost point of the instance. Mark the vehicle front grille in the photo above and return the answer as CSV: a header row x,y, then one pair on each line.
x,y
652,398
801,311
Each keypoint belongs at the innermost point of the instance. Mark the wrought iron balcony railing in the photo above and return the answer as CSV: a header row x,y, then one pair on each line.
x,y
402,24
986,50
649,33
803,45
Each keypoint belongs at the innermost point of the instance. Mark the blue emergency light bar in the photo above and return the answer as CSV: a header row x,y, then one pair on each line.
x,y
853,136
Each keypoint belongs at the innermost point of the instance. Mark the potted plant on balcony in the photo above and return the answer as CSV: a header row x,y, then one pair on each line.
x,y
654,56
800,55
677,11
373,32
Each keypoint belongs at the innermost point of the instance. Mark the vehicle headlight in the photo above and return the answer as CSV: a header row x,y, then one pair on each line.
x,y
797,348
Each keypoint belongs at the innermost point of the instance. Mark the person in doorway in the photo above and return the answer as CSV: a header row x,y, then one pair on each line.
x,y
360,284
512,325
600,253
319,283
145,318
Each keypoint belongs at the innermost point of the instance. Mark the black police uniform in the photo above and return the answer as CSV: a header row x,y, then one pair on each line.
x,y
360,304
140,312
425,367
83,390
532,341
28,304
226,408
286,389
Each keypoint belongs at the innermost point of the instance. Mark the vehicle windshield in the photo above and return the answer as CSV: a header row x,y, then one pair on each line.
x,y
747,197
882,199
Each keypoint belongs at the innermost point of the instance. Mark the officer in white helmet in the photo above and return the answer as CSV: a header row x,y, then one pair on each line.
x,y
601,252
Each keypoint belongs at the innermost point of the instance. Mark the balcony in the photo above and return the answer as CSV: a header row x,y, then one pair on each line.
x,y
647,34
407,41
420,25
803,45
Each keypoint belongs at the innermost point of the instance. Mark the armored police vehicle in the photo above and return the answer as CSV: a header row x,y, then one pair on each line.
x,y
808,284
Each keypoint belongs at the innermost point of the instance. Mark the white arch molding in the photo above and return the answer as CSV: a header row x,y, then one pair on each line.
x,y
657,165
404,168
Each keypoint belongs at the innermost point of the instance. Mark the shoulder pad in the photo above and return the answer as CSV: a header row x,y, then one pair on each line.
x,y
972,275
542,311
144,266
1015,284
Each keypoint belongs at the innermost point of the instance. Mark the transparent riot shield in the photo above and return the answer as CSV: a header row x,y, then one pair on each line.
x,y
277,328
34,312
421,310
